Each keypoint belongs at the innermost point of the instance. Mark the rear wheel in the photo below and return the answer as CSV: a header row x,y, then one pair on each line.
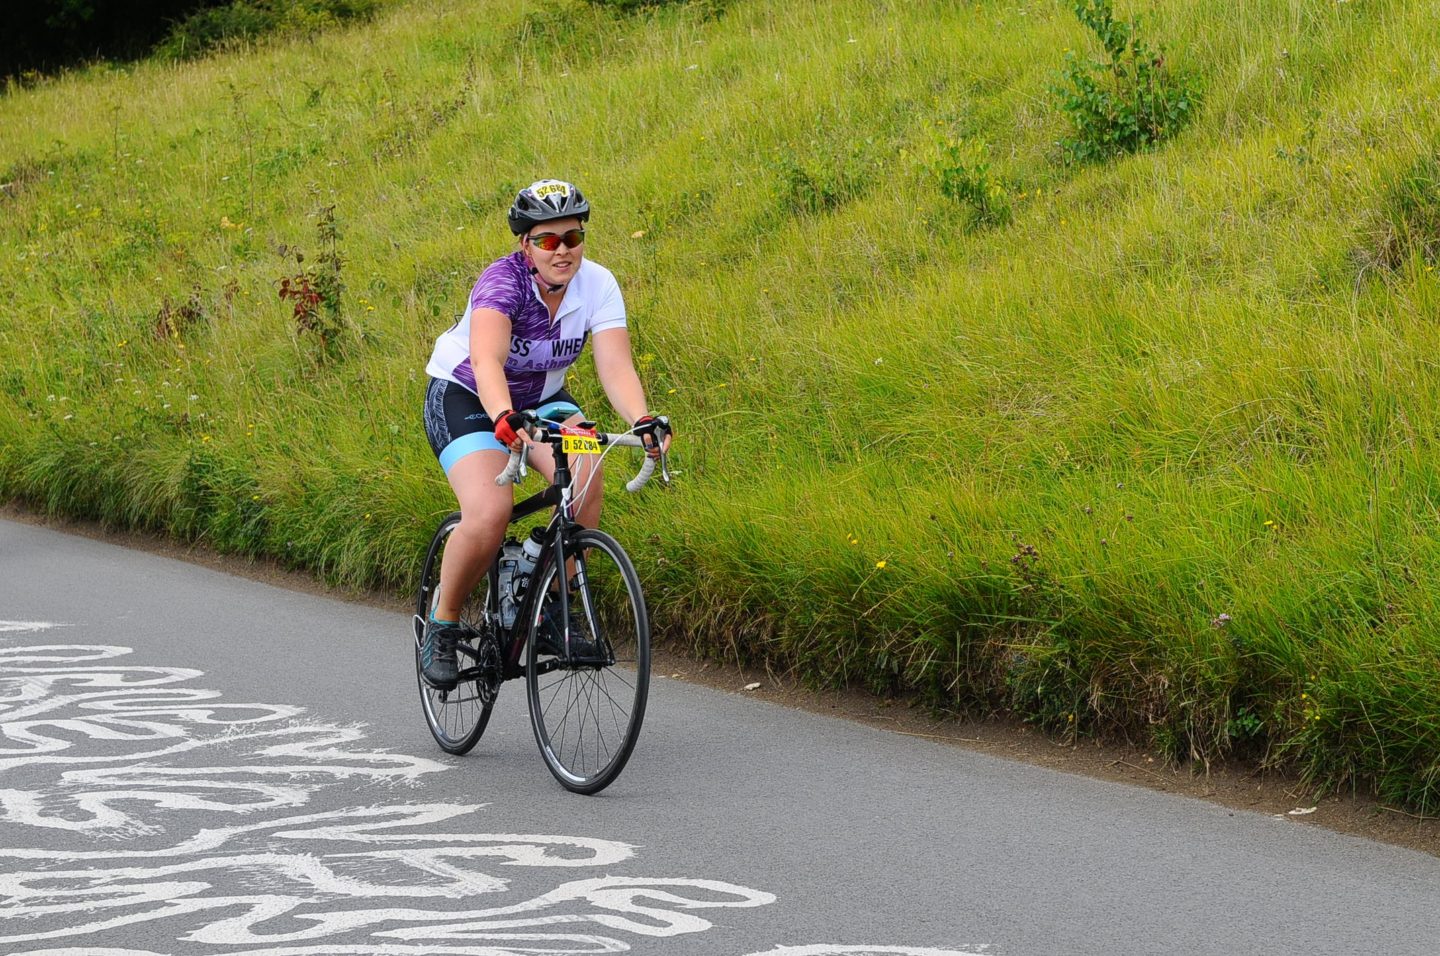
x,y
457,717
588,701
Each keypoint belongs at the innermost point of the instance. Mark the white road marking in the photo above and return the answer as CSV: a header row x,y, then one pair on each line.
x,y
247,861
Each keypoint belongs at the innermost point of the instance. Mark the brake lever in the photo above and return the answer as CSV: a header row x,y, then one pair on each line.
x,y
532,429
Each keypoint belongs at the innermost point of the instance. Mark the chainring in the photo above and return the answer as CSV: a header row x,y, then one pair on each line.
x,y
490,671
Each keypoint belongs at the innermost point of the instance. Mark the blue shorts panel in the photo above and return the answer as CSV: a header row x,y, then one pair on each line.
x,y
465,444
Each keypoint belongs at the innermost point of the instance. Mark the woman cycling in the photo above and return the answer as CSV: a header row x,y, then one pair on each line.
x,y
529,316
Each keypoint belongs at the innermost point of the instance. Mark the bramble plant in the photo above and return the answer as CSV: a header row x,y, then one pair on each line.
x,y
1125,103
963,172
317,292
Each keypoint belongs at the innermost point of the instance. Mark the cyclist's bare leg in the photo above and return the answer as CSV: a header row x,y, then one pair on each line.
x,y
485,510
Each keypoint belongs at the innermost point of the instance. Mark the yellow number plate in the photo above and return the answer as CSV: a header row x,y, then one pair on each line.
x,y
580,445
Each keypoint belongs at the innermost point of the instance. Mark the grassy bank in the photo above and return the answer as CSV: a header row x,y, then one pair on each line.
x,y
1156,457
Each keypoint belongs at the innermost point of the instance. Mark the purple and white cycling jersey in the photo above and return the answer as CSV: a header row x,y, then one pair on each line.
x,y
540,350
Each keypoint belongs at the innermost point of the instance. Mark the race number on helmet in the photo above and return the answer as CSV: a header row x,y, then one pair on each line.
x,y
545,200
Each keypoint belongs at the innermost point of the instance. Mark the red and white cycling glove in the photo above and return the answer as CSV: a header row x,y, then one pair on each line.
x,y
507,427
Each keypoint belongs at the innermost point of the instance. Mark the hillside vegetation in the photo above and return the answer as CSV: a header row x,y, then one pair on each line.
x,y
1152,453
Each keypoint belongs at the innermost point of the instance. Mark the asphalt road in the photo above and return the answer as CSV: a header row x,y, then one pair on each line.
x,y
194,763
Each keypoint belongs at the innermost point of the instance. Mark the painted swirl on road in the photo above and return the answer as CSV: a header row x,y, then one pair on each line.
x,y
154,813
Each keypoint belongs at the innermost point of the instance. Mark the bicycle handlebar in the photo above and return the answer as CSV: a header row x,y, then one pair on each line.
x,y
515,467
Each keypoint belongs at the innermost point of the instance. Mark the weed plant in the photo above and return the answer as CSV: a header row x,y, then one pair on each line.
x,y
1130,100
1155,458
962,171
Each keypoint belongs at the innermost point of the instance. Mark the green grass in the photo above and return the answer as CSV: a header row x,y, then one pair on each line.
x,y
1156,458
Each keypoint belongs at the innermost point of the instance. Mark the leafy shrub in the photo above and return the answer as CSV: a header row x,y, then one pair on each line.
x,y
818,181
569,29
243,20
711,7
1128,101
963,173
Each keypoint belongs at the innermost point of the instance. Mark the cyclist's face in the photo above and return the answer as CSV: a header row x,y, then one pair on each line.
x,y
558,266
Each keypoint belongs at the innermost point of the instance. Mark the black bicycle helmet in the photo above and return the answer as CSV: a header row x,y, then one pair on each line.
x,y
546,200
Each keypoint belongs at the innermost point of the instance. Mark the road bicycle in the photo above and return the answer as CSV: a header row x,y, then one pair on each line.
x,y
580,635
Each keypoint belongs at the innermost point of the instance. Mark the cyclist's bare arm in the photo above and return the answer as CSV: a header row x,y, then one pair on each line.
x,y
615,368
489,347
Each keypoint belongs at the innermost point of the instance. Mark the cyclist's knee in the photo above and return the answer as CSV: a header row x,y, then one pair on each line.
x,y
484,515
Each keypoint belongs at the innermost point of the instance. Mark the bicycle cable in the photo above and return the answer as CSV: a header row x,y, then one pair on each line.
x,y
585,489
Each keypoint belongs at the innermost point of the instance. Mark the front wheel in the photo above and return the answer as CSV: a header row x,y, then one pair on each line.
x,y
587,671
457,717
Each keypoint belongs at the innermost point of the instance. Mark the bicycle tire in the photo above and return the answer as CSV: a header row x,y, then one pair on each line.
x,y
456,718
566,698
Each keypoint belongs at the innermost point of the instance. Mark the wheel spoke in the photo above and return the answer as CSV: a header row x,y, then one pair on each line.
x,y
587,717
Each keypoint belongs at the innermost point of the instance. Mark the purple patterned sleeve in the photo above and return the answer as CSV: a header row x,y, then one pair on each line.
x,y
497,289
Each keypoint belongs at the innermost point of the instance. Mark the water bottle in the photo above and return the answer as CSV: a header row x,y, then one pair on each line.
x,y
511,554
530,553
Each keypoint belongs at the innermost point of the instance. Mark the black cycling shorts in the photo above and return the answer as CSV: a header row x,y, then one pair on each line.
x,y
456,423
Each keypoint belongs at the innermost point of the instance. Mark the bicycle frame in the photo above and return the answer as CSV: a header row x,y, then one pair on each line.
x,y
558,495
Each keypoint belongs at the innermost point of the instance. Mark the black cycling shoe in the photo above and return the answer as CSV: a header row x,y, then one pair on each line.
x,y
439,666
550,638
